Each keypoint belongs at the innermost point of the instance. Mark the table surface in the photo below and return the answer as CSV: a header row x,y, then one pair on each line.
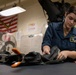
x,y
52,69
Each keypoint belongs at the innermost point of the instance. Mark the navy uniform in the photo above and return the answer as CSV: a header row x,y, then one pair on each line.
x,y
54,36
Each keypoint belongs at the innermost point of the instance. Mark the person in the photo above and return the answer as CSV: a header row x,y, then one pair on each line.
x,y
63,35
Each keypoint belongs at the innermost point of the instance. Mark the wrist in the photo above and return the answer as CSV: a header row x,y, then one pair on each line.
x,y
46,48
70,54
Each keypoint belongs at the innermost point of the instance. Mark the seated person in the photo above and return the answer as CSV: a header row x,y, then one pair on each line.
x,y
62,35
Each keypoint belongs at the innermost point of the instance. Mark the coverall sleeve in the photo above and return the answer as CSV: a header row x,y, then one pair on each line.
x,y
47,39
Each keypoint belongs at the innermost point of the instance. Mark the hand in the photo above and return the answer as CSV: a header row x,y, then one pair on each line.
x,y
62,55
46,52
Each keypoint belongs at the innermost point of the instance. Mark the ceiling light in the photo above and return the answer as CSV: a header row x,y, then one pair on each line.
x,y
12,11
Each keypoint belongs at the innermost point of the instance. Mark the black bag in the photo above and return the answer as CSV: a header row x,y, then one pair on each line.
x,y
51,58
10,59
33,58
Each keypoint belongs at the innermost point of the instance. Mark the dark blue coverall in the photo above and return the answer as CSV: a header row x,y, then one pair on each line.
x,y
54,36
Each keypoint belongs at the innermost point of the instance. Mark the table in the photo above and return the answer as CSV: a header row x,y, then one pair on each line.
x,y
52,69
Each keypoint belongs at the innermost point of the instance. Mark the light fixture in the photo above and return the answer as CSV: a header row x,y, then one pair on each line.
x,y
12,11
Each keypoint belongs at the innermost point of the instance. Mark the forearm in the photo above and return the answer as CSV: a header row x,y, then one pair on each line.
x,y
72,54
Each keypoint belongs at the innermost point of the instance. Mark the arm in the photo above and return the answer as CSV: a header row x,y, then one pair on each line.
x,y
64,54
72,54
46,44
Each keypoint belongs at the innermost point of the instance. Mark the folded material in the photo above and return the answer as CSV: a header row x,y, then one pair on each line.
x,y
52,57
32,58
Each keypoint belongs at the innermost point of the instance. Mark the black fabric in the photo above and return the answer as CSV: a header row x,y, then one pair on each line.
x,y
10,59
51,58
7,58
36,58
33,58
